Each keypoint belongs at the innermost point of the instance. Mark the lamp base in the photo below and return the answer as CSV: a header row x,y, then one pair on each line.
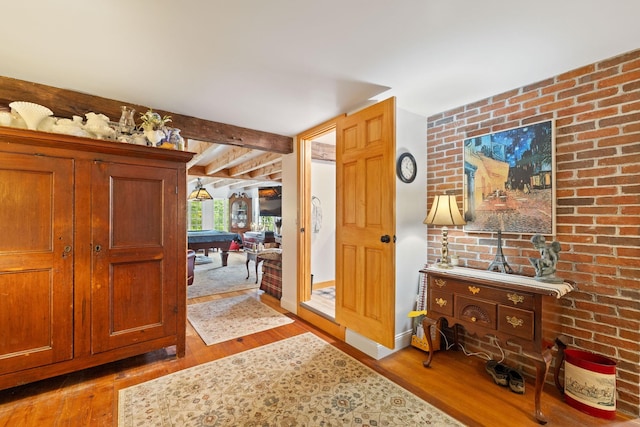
x,y
444,265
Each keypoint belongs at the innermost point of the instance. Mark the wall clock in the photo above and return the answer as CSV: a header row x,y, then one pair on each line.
x,y
406,168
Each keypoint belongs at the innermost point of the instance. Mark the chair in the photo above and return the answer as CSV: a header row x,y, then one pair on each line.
x,y
191,263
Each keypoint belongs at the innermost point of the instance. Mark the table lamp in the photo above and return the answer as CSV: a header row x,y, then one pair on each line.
x,y
444,211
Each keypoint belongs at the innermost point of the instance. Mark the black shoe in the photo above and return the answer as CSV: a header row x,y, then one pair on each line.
x,y
516,381
499,372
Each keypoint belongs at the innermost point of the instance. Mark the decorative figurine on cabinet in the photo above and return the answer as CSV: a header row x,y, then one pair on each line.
x,y
545,266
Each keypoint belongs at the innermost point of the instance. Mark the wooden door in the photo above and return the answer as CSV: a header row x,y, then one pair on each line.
x,y
365,222
134,244
36,261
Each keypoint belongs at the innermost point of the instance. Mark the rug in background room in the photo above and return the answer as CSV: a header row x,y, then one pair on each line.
x,y
212,278
228,318
301,381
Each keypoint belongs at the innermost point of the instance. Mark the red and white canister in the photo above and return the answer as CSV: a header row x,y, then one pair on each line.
x,y
590,383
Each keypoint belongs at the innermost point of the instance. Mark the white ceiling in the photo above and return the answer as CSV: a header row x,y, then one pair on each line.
x,y
284,66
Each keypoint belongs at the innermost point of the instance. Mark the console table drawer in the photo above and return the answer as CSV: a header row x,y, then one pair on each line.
x,y
476,311
461,287
440,302
517,322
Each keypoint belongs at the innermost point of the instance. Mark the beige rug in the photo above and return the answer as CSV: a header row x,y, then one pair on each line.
x,y
299,381
228,318
212,278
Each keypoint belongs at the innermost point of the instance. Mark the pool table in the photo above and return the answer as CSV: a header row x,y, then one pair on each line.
x,y
212,239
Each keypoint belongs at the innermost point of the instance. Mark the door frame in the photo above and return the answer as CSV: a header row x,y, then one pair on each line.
x,y
304,141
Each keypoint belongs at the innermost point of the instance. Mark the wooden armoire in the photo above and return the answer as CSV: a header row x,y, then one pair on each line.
x,y
92,252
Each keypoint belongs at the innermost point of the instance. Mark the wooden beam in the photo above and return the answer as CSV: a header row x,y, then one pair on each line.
x,y
199,171
224,159
255,163
67,103
266,171
322,151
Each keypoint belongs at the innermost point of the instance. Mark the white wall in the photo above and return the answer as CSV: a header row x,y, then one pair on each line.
x,y
411,210
290,228
323,242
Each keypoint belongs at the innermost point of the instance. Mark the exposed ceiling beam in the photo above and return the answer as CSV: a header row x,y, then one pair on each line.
x,y
322,151
222,161
255,163
67,103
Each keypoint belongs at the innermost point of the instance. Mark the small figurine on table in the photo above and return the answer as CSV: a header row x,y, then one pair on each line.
x,y
545,266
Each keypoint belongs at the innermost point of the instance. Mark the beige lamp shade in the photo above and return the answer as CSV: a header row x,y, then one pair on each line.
x,y
444,211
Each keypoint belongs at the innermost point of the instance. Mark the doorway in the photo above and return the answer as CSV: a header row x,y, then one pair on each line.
x,y
322,227
316,255
364,223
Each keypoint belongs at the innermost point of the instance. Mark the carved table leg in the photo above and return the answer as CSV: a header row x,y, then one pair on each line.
x,y
258,260
427,324
542,368
561,344
224,255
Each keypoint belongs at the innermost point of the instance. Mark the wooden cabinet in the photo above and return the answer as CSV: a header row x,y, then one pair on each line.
x,y
92,253
506,306
239,214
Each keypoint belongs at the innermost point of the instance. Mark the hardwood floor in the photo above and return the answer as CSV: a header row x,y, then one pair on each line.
x,y
455,383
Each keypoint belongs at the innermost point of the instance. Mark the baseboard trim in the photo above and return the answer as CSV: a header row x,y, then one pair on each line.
x,y
374,349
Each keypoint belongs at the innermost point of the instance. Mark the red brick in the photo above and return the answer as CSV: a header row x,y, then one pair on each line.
x,y
622,99
620,140
634,106
493,106
597,95
539,101
597,172
596,191
619,79
554,106
598,75
598,114
632,65
576,91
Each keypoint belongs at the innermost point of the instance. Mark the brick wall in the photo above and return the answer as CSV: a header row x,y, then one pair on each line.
x,y
596,110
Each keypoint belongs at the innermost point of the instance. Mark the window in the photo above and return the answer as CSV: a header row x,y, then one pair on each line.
x,y
208,214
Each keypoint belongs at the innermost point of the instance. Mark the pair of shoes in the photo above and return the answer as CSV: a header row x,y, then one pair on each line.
x,y
499,372
516,381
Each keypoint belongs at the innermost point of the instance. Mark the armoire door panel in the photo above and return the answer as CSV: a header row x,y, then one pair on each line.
x,y
136,296
131,225
36,260
134,244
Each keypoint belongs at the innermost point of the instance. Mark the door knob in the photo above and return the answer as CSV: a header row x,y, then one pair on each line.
x,y
385,239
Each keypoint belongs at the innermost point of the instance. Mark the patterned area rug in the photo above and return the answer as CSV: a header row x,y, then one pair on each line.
x,y
212,278
228,318
299,381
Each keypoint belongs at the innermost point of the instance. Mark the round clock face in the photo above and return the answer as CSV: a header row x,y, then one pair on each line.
x,y
406,167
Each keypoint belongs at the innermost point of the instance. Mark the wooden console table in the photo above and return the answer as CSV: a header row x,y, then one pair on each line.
x,y
506,306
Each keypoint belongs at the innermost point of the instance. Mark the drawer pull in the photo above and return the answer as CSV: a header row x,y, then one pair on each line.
x,y
474,290
440,282
514,321
515,298
473,319
441,302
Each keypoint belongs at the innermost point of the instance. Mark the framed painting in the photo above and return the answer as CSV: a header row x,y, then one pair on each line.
x,y
509,181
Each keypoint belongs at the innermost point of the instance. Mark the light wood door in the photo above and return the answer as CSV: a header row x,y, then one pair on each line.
x,y
134,212
365,222
36,261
